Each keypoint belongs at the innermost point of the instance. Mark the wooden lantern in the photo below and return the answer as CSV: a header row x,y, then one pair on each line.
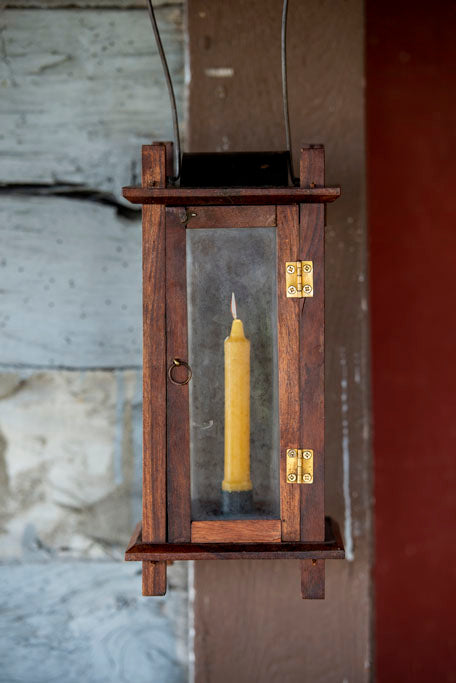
x,y
187,234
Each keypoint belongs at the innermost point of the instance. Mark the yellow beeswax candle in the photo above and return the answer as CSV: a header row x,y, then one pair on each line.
x,y
237,408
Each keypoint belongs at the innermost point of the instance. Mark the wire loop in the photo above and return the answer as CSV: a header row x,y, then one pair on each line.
x,y
169,83
172,98
286,114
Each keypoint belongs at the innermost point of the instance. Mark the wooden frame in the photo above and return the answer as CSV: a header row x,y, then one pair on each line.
x,y
237,531
167,531
173,196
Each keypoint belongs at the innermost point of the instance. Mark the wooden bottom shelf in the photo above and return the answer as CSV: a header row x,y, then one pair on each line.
x,y
332,548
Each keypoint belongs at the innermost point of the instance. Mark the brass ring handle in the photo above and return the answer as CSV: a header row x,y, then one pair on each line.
x,y
175,364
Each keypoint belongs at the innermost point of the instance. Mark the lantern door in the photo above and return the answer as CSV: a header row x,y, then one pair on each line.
x,y
220,488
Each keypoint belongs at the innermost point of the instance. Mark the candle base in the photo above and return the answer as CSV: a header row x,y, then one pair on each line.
x,y
237,502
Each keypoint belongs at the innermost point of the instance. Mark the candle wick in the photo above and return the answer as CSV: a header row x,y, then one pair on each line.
x,y
233,306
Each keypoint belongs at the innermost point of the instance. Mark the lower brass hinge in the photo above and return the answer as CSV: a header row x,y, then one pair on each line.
x,y
300,466
299,279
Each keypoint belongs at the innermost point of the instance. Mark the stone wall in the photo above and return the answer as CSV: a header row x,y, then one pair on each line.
x,y
81,90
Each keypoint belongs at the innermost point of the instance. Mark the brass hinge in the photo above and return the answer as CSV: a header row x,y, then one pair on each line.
x,y
299,278
300,466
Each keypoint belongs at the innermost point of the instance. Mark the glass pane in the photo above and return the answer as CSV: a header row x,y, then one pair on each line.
x,y
219,262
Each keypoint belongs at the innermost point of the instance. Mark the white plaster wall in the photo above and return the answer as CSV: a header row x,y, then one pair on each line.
x,y
71,464
75,622
72,269
80,90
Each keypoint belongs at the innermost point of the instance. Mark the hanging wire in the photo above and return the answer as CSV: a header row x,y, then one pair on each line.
x,y
172,98
286,114
169,83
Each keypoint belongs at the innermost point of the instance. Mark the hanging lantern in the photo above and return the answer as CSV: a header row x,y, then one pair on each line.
x,y
233,406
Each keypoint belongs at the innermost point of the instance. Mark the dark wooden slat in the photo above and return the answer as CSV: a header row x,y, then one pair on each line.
x,y
178,455
313,579
156,160
154,578
288,340
154,352
237,531
312,166
231,217
233,551
169,159
311,352
176,196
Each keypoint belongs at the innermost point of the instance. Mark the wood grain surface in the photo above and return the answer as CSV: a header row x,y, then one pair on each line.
x,y
153,578
178,436
237,531
312,347
231,217
176,196
154,366
330,548
312,368
185,552
313,579
288,341
242,111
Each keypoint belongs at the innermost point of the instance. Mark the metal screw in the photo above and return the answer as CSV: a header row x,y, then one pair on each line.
x,y
307,268
291,290
307,477
291,454
307,455
292,477
290,269
307,289
188,216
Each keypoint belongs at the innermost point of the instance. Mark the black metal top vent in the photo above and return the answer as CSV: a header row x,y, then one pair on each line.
x,y
235,169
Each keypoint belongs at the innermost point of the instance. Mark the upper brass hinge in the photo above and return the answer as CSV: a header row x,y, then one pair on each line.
x,y
300,465
299,279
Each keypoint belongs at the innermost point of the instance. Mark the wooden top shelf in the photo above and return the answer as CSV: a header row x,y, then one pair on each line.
x,y
216,196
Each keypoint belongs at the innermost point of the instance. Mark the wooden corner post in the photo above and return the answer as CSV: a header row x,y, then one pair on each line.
x,y
154,166
289,390
312,368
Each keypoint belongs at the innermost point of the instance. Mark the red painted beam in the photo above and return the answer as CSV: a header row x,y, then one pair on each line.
x,y
411,141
